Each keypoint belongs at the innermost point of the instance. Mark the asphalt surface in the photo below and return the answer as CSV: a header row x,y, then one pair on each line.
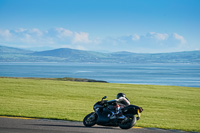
x,y
16,125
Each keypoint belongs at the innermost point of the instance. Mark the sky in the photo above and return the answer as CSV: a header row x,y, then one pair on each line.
x,y
139,26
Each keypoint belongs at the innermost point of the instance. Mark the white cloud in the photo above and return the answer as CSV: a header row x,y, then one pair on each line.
x,y
27,38
20,30
159,36
180,38
63,33
81,37
135,37
23,31
36,32
5,33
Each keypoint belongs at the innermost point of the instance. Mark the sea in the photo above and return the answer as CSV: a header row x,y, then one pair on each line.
x,y
148,74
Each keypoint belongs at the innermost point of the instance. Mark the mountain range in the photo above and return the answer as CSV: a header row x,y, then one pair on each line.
x,y
11,54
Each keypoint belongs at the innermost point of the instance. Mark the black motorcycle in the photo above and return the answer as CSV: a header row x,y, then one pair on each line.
x,y
103,112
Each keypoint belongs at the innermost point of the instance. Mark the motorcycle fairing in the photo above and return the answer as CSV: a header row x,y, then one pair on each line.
x,y
103,116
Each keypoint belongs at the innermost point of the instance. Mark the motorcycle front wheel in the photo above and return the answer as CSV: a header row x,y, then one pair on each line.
x,y
90,120
128,122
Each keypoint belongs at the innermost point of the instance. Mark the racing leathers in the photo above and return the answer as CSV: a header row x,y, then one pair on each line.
x,y
119,103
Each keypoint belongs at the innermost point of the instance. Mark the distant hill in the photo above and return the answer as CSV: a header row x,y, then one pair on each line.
x,y
11,50
72,55
10,54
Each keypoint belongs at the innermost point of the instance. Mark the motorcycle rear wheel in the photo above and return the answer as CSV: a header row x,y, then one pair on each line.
x,y
128,122
90,120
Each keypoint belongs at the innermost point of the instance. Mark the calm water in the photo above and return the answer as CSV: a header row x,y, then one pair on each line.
x,y
156,74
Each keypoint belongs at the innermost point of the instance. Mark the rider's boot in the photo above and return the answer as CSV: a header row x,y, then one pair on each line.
x,y
120,116
112,116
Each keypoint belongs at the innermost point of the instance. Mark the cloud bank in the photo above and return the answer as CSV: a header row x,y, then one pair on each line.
x,y
150,42
62,37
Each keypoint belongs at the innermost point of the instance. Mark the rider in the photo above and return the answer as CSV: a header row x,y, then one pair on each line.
x,y
121,100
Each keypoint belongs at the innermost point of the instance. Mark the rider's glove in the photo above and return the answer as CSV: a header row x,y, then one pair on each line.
x,y
140,109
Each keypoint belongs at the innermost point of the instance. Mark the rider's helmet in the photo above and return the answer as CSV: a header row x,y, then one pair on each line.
x,y
120,95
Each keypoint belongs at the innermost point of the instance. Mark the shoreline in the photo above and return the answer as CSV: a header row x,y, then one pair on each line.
x,y
60,79
86,80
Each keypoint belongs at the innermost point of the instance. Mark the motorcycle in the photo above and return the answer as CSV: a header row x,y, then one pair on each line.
x,y
103,112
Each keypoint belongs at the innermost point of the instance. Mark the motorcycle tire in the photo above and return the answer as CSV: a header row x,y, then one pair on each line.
x,y
129,122
90,120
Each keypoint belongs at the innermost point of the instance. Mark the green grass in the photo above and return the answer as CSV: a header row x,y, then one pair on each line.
x,y
168,107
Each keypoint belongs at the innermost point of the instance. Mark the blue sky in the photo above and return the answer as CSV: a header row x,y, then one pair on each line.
x,y
140,26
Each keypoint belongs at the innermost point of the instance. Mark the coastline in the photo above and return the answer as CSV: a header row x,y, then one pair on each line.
x,y
61,79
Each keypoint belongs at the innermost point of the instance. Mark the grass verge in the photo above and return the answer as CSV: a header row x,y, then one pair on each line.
x,y
167,107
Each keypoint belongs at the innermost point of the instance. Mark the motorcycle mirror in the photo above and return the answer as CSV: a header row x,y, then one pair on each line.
x,y
104,97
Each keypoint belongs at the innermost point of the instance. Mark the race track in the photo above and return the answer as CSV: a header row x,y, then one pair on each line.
x,y
16,125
